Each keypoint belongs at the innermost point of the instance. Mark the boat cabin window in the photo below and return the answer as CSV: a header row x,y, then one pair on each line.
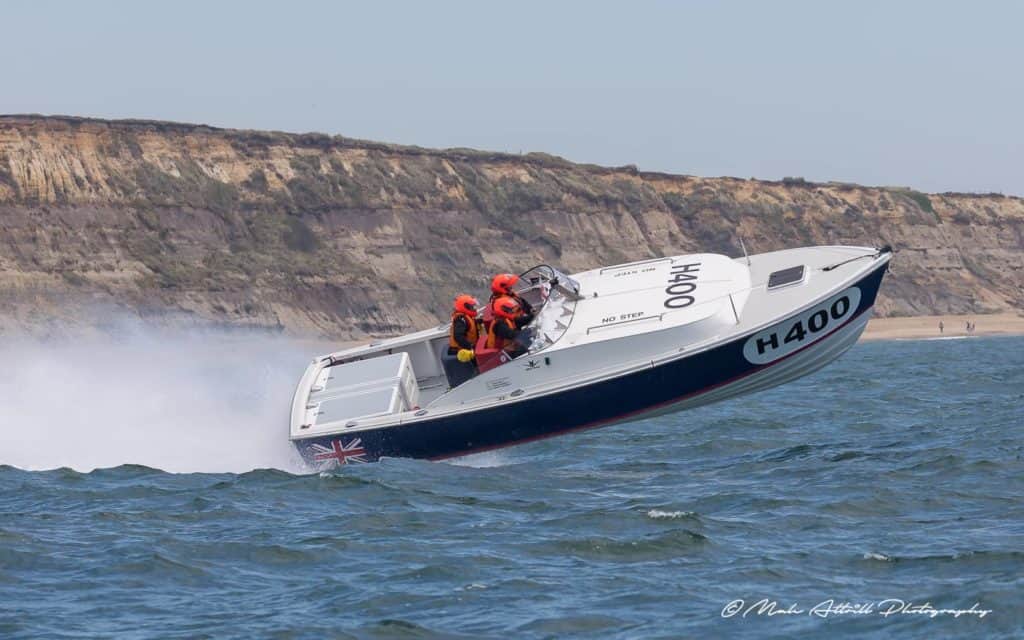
x,y
785,277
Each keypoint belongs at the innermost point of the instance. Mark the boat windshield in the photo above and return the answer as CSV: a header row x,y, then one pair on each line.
x,y
553,296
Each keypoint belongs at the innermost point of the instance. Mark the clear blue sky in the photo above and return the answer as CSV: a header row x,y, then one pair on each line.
x,y
924,94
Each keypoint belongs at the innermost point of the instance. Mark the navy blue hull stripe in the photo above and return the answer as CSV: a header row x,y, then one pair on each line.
x,y
640,412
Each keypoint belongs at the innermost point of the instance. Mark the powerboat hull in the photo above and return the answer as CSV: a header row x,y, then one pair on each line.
x,y
693,375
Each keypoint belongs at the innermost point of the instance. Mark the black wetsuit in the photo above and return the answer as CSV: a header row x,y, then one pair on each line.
x,y
511,335
458,372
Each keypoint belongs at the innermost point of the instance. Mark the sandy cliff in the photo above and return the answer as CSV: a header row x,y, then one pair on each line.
x,y
341,238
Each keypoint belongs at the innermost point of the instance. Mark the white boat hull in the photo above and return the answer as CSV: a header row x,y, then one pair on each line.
x,y
606,370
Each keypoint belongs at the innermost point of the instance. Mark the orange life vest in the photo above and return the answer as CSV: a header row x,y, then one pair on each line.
x,y
472,334
495,341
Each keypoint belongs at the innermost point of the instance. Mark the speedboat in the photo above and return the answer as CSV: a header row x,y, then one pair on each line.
x,y
606,346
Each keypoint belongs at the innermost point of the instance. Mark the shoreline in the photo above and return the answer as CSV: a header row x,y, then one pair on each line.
x,y
955,326
899,328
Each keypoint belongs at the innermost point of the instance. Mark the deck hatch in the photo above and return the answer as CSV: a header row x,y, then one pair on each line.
x,y
785,277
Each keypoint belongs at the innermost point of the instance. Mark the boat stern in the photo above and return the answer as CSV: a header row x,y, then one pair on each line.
x,y
298,417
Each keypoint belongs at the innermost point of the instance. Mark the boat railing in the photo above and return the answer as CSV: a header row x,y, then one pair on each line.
x,y
732,303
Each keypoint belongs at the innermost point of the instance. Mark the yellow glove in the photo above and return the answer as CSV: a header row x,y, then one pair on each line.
x,y
465,355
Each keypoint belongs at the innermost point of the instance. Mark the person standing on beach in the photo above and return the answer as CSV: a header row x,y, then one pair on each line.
x,y
941,326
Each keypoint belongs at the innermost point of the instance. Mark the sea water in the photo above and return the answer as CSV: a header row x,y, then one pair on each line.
x,y
149,492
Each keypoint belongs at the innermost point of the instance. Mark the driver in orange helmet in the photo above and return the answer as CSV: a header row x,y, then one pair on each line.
x,y
507,327
501,285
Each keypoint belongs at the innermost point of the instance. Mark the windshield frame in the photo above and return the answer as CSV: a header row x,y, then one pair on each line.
x,y
541,285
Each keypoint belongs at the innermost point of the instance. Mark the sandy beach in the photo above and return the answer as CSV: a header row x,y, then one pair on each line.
x,y
918,327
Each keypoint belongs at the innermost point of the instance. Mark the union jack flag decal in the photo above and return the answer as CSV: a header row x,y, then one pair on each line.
x,y
343,453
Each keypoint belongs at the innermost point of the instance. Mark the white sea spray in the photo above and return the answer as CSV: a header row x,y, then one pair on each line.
x,y
197,400
658,514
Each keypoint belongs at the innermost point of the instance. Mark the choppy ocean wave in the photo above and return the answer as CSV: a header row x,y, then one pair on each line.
x,y
895,473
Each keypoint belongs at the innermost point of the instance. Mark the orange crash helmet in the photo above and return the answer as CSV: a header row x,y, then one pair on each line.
x,y
506,307
503,283
466,304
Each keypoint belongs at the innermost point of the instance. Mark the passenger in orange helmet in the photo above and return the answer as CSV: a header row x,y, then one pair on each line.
x,y
465,329
462,337
501,285
507,328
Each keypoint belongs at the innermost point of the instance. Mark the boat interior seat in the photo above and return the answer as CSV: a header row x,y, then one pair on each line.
x,y
456,372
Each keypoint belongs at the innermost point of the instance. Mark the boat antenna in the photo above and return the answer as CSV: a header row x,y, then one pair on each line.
x,y
744,247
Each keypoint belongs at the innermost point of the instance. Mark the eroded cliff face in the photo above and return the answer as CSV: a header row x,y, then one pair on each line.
x,y
342,238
